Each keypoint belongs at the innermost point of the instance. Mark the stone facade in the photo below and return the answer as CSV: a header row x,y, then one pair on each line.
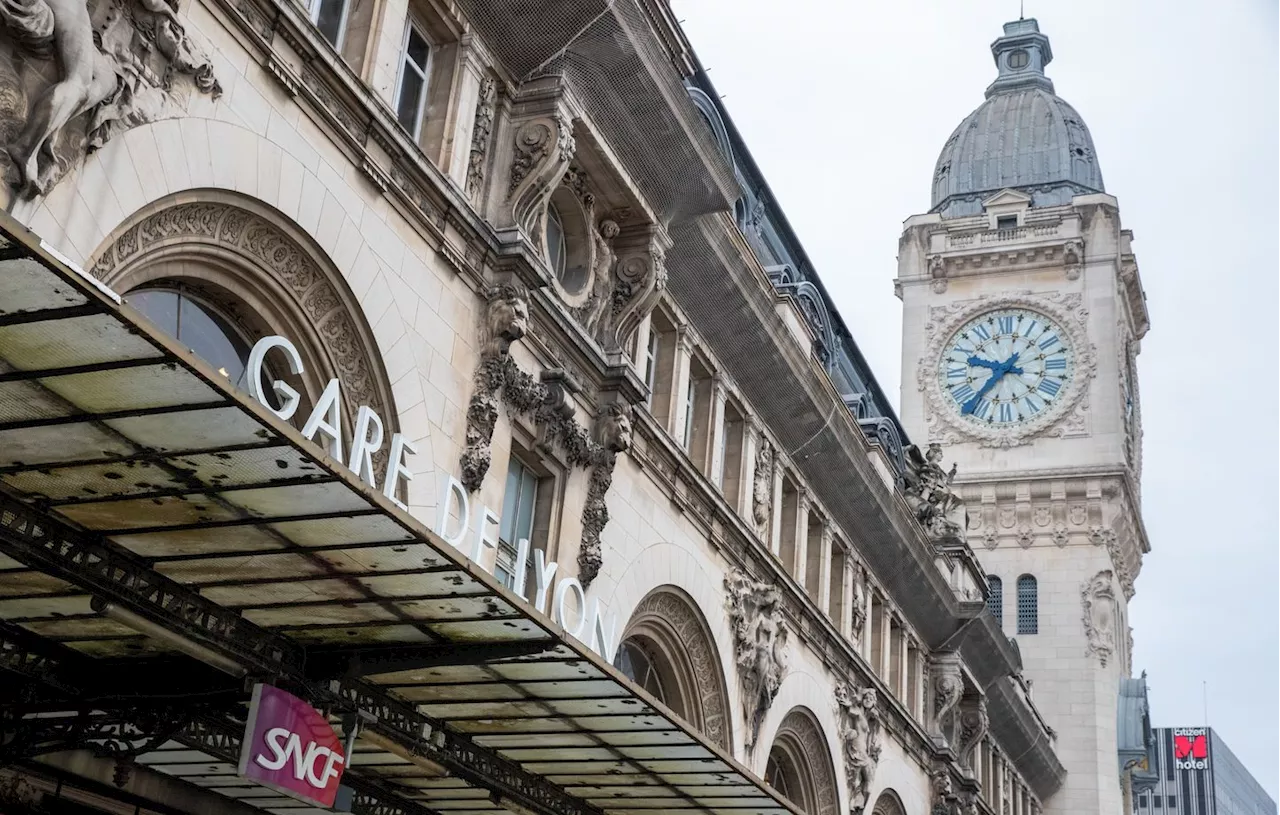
x,y
426,271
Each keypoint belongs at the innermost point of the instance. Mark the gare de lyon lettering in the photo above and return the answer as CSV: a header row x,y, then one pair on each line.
x,y
325,420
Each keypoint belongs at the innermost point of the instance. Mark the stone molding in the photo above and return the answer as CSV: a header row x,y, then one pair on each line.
x,y
1067,416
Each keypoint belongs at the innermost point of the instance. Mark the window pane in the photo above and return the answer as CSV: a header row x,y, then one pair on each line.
x,y
510,500
417,49
995,597
411,84
160,307
1028,613
524,513
555,241
329,15
215,342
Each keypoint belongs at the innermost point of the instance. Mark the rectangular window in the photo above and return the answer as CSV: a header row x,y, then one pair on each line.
x,y
516,524
330,17
411,95
731,454
1006,222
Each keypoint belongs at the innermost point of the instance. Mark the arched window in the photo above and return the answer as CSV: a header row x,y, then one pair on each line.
x,y
799,764
1028,611
888,804
995,598
668,650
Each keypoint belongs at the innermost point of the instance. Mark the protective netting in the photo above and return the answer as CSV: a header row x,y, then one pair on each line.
x,y
615,64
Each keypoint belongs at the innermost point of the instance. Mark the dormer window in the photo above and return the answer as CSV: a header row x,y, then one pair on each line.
x,y
556,250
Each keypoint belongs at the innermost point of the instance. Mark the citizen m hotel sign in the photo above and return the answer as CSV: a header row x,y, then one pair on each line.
x,y
1191,748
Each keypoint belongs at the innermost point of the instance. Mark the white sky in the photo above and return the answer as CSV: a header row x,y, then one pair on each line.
x,y
845,107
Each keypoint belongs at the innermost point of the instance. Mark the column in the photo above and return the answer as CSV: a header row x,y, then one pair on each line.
x,y
824,570
775,534
685,340
718,394
904,648
886,641
800,567
744,501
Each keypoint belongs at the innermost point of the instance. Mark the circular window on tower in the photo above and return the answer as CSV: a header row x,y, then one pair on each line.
x,y
1018,59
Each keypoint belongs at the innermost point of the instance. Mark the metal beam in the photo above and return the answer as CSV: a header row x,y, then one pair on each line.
x,y
35,657
345,661
91,564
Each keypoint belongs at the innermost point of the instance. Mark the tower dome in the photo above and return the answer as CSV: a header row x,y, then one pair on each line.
x,y
1023,136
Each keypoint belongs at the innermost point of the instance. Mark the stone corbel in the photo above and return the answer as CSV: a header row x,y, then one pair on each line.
x,y
948,687
640,276
973,723
1073,258
506,321
543,148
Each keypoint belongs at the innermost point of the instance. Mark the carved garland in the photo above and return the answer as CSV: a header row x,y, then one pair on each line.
x,y
547,404
486,106
945,425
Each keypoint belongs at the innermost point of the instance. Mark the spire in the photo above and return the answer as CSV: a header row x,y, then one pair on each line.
x,y
1021,55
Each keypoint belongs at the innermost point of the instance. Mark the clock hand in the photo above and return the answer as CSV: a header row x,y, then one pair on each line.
x,y
983,363
998,372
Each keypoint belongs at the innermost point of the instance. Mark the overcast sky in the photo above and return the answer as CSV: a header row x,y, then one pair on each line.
x,y
845,107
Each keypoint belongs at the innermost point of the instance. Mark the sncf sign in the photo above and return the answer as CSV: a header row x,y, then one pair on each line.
x,y
1191,748
290,747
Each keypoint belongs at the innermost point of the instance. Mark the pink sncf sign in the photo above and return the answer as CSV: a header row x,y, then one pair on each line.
x,y
290,747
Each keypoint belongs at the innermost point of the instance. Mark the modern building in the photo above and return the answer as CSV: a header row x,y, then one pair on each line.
x,y
1197,774
1023,314
413,407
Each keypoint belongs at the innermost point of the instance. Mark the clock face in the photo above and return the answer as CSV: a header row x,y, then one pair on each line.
x,y
1006,367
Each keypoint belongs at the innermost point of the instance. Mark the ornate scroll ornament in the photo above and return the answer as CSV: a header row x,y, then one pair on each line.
x,y
759,645
945,423
543,149
109,67
482,130
762,488
931,497
860,731
973,728
948,687
1100,614
614,437
639,280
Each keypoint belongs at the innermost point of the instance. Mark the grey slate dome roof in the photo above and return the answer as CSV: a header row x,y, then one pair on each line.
x,y
1022,137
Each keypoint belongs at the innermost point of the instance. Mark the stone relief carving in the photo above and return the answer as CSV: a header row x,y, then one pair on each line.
x,y
945,801
482,130
859,620
506,321
595,313
75,74
860,733
973,724
1073,258
1062,417
929,492
759,644
1100,614
762,488
948,687
614,433
640,278
544,147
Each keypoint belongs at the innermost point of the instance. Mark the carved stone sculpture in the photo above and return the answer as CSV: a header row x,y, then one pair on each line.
x,y
506,321
859,620
759,641
88,71
640,278
762,489
595,313
860,734
930,494
614,432
948,687
1100,613
945,800
973,728
486,106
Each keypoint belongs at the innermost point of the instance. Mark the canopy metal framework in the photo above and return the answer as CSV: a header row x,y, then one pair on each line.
x,y
135,479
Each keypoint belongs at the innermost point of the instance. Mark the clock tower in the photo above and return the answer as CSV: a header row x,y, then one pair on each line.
x,y
1022,317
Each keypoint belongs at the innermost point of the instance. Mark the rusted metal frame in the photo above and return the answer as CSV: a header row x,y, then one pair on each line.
x,y
479,766
320,578
142,456
551,715
103,727
327,662
110,415
179,492
50,314
90,368
246,521
34,657
91,564
328,547
222,740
